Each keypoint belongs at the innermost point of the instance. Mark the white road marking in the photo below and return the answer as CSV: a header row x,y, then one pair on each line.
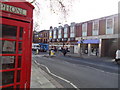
x,y
57,76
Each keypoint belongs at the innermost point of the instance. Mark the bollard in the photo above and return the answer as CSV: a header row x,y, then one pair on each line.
x,y
37,51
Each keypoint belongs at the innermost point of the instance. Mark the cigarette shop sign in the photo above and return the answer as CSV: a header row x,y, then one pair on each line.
x,y
12,9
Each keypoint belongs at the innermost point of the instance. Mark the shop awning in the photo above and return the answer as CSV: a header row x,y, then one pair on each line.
x,y
90,41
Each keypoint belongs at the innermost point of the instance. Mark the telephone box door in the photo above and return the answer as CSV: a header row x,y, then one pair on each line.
x,y
14,63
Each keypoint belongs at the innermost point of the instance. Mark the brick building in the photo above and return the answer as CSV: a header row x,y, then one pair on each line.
x,y
94,37
43,36
63,35
99,36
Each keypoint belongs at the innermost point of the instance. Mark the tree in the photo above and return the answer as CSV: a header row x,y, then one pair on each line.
x,y
61,8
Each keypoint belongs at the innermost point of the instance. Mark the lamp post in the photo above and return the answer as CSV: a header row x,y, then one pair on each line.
x,y
81,43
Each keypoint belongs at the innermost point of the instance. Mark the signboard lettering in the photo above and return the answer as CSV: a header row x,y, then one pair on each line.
x,y
13,9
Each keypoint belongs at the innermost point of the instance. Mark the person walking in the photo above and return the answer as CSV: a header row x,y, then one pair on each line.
x,y
64,51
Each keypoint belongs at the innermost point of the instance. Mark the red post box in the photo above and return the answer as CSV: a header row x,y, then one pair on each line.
x,y
16,21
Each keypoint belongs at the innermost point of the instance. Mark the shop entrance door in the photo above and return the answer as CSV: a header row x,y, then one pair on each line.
x,y
13,64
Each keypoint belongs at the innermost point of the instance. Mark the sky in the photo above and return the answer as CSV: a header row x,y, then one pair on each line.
x,y
80,11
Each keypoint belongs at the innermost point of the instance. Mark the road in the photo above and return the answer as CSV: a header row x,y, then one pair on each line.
x,y
78,73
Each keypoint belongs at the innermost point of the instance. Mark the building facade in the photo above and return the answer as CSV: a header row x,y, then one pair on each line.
x,y
98,37
43,36
63,36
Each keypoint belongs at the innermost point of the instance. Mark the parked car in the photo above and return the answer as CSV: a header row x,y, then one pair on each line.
x,y
35,46
117,58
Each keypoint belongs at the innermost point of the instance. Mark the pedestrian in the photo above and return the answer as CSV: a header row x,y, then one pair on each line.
x,y
96,51
64,51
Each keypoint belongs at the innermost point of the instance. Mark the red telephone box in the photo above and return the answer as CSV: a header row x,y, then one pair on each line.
x,y
16,20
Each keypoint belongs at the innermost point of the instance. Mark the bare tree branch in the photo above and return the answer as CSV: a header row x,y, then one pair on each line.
x,y
33,1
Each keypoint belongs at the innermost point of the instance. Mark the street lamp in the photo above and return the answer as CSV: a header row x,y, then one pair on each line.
x,y
81,43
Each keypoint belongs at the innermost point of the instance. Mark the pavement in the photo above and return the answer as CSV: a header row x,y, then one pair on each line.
x,y
40,79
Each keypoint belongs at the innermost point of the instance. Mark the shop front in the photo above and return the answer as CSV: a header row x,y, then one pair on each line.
x,y
89,47
15,51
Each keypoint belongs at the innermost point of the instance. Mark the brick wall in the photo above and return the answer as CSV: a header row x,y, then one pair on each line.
x,y
89,28
116,25
102,26
78,30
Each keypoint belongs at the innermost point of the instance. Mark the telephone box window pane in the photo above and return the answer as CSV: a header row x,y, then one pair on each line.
x,y
0,78
0,46
8,47
21,33
7,77
7,62
0,62
20,47
9,32
18,76
19,61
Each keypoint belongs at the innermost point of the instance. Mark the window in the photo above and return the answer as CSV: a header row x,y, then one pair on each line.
x,y
84,29
7,62
7,77
11,42
50,34
65,33
8,47
9,32
109,25
54,35
72,31
60,33
95,28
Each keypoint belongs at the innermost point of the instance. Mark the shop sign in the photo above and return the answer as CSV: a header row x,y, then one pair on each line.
x,y
12,9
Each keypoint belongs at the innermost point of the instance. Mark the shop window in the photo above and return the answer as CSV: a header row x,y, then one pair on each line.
x,y
7,77
9,32
7,62
18,75
19,61
21,33
8,47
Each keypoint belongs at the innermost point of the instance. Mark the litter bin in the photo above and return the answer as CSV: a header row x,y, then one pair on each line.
x,y
52,53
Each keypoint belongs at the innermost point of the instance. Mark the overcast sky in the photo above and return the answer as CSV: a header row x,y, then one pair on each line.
x,y
81,10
